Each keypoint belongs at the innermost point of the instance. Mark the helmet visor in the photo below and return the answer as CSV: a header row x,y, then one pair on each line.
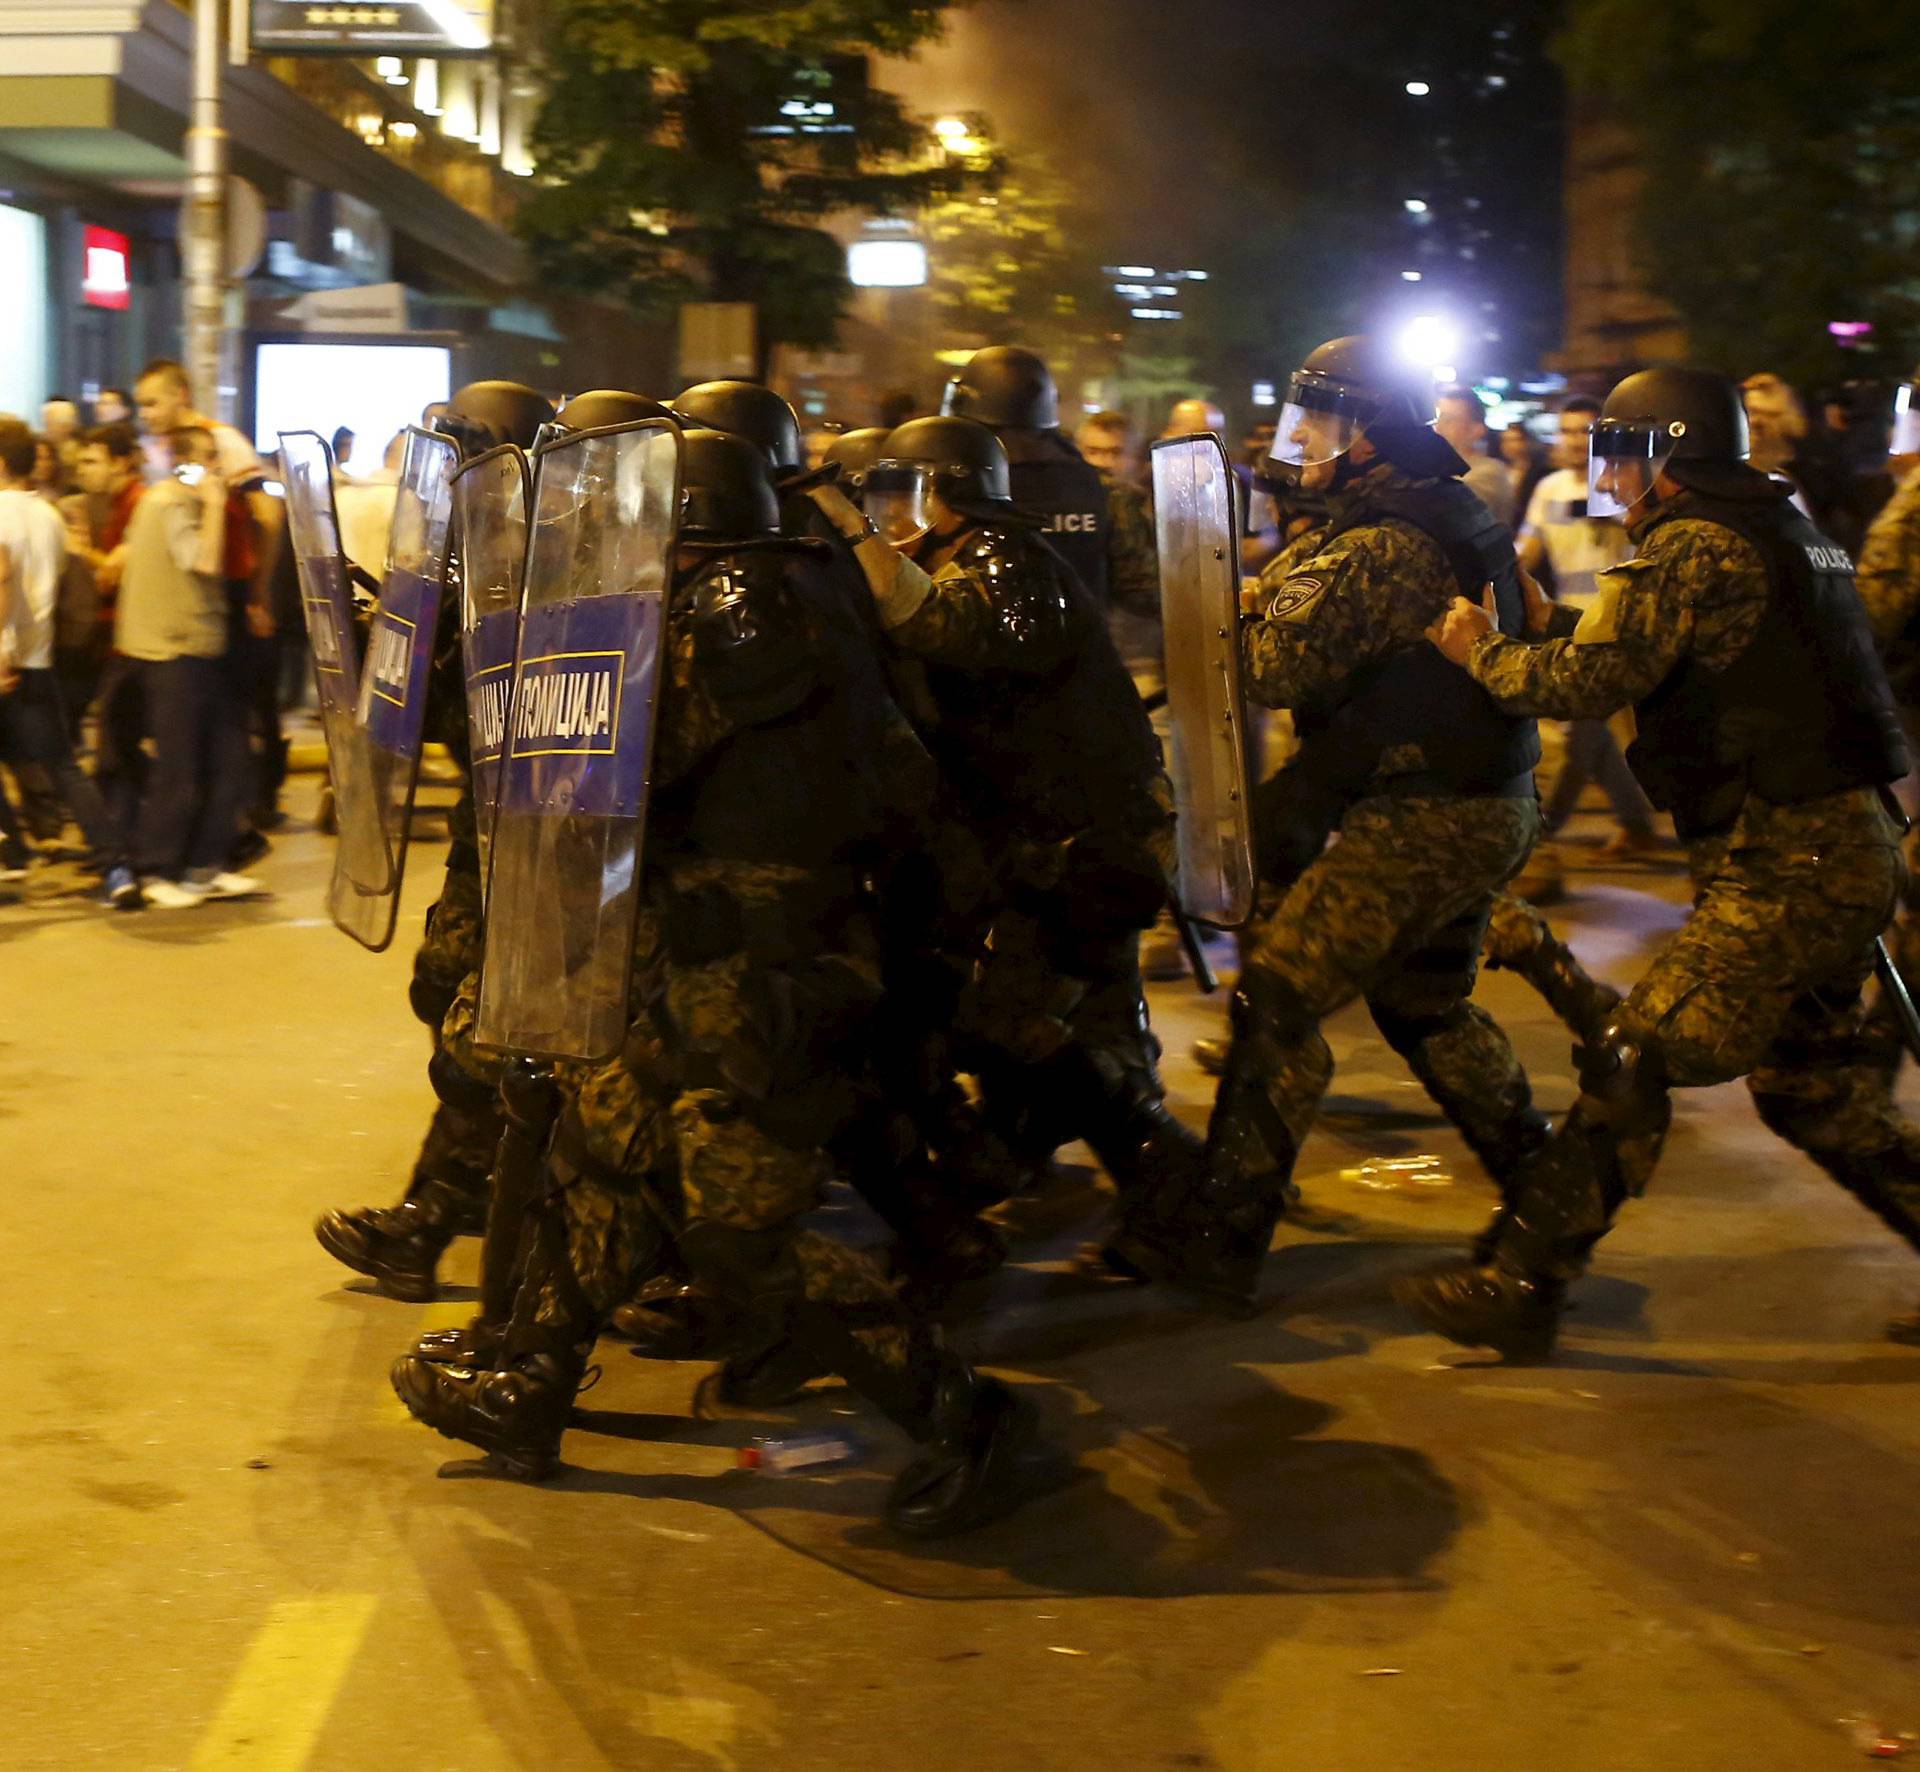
x,y
1623,457
895,500
1906,420
1319,423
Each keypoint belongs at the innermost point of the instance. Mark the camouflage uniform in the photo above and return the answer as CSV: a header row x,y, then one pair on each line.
x,y
1053,767
1763,980
1396,910
1888,575
1133,582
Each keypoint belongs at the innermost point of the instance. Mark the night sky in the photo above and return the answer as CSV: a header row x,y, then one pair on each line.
x,y
1147,101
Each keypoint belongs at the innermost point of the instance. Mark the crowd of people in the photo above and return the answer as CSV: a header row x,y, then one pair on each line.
x,y
911,827
140,633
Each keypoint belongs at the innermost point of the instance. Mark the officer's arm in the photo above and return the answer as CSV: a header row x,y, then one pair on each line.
x,y
990,610
1634,633
1312,632
899,587
1889,571
1133,561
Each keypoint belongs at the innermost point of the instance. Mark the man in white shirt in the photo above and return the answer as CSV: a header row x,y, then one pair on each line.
x,y
33,725
1560,542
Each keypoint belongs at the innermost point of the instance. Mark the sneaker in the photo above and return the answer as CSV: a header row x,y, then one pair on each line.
x,y
120,891
217,883
172,895
10,871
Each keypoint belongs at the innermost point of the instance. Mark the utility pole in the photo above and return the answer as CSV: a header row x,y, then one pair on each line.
x,y
204,245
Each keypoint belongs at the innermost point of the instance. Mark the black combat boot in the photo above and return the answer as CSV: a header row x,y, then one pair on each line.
x,y
478,1343
1491,1305
965,1472
516,1415
398,1247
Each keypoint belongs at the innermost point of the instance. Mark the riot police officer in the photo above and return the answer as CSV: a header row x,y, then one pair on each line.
x,y
399,1247
1011,391
1766,727
1050,762
1428,784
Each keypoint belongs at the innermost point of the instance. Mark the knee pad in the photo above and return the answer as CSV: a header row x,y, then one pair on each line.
x,y
459,1089
1623,1085
1266,1003
431,999
1403,1030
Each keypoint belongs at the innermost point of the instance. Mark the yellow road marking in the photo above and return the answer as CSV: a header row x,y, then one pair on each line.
x,y
280,1697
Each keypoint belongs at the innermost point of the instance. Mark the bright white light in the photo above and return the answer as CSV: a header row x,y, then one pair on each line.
x,y
1133,270
887,264
1414,206
1156,313
391,69
458,24
1429,340
951,129
1264,394
372,389
1409,276
1196,276
1445,372
1418,89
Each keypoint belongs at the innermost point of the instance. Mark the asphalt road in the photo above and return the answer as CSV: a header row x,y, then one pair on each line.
x,y
1312,1542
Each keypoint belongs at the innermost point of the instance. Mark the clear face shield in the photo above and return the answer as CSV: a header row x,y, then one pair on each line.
x,y
1905,439
1317,425
895,499
1624,455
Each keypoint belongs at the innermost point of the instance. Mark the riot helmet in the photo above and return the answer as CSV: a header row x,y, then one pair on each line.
x,y
854,452
607,406
1906,418
727,491
485,414
1004,385
1347,389
747,409
958,458
1689,422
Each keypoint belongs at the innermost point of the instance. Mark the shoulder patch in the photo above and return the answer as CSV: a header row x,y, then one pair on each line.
x,y
1600,621
1296,597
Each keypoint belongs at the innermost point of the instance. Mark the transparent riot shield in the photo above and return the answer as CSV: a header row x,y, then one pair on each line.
x,y
1196,524
491,498
564,865
327,604
391,709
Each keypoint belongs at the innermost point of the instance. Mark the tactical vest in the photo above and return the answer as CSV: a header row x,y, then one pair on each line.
x,y
1416,697
1060,492
1804,711
1056,750
819,759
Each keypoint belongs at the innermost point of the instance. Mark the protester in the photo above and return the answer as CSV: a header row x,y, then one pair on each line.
x,y
1107,440
33,727
113,407
1568,548
173,620
1462,421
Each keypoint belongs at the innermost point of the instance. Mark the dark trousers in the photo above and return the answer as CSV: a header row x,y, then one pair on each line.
x,y
253,667
197,785
33,729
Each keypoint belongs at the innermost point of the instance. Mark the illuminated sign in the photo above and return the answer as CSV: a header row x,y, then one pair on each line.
x,y
887,264
107,279
373,27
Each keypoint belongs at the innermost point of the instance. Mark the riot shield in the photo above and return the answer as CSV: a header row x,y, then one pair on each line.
x,y
1196,525
327,604
564,866
391,709
491,503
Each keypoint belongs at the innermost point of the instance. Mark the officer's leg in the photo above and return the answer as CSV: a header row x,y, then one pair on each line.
x,y
1822,1088
592,1234
1458,1051
1708,1009
743,1191
1520,939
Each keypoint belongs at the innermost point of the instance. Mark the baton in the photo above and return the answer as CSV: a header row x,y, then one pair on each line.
x,y
1896,989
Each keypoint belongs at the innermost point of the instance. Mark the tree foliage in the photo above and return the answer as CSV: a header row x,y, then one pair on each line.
x,y
689,150
1783,149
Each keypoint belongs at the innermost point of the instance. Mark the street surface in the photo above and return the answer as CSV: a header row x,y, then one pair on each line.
x,y
1312,1542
